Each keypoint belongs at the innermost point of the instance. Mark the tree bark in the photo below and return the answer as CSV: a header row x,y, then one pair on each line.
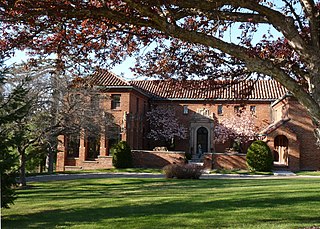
x,y
23,181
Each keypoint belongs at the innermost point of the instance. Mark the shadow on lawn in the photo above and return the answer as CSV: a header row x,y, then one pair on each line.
x,y
201,200
129,214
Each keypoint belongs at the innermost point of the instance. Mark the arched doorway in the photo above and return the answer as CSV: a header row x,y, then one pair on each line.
x,y
202,140
281,149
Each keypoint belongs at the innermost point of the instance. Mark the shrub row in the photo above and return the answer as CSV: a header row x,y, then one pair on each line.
x,y
187,171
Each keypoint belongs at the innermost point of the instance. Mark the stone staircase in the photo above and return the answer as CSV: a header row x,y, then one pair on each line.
x,y
196,160
280,167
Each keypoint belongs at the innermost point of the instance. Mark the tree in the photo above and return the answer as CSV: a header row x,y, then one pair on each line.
x,y
183,38
34,130
11,108
121,155
259,156
164,126
240,128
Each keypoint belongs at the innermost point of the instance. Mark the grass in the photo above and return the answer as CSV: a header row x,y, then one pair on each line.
x,y
308,173
239,171
160,203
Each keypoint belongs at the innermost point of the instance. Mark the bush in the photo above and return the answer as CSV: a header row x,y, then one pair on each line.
x,y
259,157
187,171
188,156
8,177
121,155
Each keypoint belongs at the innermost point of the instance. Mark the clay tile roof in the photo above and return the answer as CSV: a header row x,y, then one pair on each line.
x,y
105,78
210,89
195,89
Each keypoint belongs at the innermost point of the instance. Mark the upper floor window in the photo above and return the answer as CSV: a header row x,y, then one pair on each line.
x,y
237,109
253,109
204,112
115,101
185,109
220,110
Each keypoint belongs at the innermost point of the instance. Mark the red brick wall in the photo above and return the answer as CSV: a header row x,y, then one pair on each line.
x,y
263,114
301,124
208,161
104,162
229,161
156,159
293,146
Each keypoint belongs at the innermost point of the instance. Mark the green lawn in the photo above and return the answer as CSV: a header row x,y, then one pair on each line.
x,y
308,173
160,203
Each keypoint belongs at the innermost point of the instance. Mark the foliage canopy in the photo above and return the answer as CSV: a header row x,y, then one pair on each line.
x,y
178,39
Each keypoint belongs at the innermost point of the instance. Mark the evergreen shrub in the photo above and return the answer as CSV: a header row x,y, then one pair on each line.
x,y
259,157
121,155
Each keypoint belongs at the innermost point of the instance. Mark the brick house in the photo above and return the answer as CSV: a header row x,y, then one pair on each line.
x,y
285,124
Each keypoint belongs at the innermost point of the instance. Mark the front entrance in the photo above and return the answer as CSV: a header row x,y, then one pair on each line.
x,y
280,153
202,141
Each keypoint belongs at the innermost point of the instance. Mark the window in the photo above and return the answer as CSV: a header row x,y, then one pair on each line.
x,y
253,109
239,109
220,110
73,144
92,145
185,109
115,101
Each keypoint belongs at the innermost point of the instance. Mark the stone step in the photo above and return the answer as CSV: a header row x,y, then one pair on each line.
x,y
280,167
283,173
195,163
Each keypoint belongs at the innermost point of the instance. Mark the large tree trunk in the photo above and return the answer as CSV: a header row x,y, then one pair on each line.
x,y
50,157
23,181
54,115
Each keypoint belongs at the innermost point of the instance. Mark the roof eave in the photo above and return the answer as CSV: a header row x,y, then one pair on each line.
x,y
123,87
287,94
188,99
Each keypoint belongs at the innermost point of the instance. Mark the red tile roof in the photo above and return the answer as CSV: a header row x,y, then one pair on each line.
x,y
105,78
196,89
210,89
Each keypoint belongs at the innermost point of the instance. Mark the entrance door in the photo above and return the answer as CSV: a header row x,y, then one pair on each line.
x,y
202,140
281,149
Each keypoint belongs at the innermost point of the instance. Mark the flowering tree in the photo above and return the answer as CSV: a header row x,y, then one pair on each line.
x,y
240,127
231,39
164,125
